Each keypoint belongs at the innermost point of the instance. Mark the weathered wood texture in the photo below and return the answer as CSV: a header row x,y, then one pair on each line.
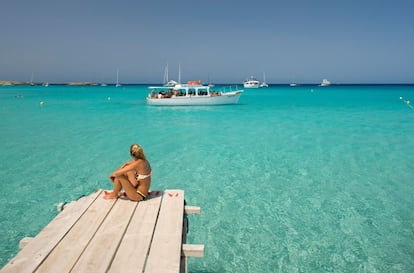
x,y
97,235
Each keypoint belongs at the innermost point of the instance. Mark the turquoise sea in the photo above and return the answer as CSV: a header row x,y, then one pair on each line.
x,y
304,179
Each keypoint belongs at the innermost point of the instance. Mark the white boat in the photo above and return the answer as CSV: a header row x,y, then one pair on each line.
x,y
264,84
325,82
117,79
192,93
210,83
251,83
31,79
171,83
168,82
293,84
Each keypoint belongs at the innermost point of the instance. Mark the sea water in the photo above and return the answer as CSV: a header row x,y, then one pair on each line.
x,y
304,179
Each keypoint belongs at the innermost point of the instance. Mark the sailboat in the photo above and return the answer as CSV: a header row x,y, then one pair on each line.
x,y
210,84
166,81
117,79
31,79
264,84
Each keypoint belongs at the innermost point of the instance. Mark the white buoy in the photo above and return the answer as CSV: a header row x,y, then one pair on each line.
x,y
41,103
109,98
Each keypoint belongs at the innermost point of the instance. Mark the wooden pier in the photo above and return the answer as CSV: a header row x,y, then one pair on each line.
x,y
96,235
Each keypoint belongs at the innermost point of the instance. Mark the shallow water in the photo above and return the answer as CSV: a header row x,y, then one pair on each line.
x,y
304,179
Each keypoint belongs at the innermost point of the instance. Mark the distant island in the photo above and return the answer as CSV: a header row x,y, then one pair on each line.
x,y
9,83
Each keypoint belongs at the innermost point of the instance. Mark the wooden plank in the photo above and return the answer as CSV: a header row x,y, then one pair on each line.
x,y
191,250
165,252
29,258
97,235
24,242
192,210
132,253
100,251
67,252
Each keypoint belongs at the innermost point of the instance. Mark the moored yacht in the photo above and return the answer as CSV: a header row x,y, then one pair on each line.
x,y
264,84
252,82
325,82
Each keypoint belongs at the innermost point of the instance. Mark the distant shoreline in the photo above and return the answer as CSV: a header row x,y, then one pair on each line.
x,y
10,83
16,83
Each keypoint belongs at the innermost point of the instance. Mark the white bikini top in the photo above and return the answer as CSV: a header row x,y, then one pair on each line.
x,y
142,176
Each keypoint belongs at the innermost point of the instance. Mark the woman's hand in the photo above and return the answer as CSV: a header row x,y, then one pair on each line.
x,y
112,177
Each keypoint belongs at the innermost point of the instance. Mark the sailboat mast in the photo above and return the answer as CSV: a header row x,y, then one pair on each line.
x,y
117,78
179,73
166,74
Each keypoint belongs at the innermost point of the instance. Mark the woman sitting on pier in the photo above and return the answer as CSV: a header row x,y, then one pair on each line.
x,y
133,176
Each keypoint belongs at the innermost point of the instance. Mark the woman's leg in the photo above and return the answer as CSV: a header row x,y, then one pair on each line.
x,y
130,190
117,188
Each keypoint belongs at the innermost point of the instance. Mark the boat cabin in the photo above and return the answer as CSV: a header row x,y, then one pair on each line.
x,y
181,90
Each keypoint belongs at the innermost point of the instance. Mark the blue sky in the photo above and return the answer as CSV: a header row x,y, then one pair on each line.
x,y
225,41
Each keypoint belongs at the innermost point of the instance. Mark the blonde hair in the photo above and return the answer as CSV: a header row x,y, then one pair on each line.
x,y
137,152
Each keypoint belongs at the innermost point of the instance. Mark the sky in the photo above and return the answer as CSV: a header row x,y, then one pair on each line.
x,y
218,41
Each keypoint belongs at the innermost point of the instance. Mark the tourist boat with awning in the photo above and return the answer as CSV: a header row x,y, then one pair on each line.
x,y
192,93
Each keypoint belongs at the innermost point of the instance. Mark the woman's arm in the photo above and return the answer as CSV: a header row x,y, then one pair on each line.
x,y
126,164
129,166
131,177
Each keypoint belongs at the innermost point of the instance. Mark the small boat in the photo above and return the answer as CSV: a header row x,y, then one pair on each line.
x,y
192,93
325,82
264,84
251,83
171,83
293,84
166,81
31,80
117,79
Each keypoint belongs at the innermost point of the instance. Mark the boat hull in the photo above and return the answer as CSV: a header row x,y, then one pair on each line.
x,y
251,85
227,98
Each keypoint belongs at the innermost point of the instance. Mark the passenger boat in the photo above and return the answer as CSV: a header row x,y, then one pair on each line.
x,y
252,82
192,93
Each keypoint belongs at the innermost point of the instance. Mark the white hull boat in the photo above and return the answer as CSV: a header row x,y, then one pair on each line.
x,y
264,84
325,82
190,94
251,83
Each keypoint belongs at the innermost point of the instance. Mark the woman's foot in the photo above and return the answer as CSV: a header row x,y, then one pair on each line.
x,y
110,195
